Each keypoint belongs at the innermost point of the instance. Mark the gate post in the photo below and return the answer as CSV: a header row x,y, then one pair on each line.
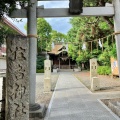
x,y
32,31
17,79
35,109
116,4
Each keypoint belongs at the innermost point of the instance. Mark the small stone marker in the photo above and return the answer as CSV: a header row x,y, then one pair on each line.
x,y
95,84
47,76
93,68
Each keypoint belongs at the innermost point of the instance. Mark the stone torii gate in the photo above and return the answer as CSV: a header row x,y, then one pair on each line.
x,y
32,13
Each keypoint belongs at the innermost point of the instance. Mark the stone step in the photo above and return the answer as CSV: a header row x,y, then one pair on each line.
x,y
66,70
118,103
113,105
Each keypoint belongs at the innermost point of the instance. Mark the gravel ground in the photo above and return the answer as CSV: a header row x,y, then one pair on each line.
x,y
42,97
107,83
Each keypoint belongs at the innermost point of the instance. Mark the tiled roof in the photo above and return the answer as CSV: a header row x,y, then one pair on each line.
x,y
11,25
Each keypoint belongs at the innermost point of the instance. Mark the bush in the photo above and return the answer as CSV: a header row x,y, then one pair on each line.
x,y
40,71
40,62
104,70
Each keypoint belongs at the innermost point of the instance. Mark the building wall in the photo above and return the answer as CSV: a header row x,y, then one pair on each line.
x,y
64,64
3,50
2,63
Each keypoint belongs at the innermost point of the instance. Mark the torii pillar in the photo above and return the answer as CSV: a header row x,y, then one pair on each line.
x,y
116,4
35,109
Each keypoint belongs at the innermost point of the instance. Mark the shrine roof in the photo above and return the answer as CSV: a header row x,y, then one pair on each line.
x,y
57,49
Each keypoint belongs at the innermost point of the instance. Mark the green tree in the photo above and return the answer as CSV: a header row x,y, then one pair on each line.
x,y
2,35
82,32
58,37
109,51
44,32
5,31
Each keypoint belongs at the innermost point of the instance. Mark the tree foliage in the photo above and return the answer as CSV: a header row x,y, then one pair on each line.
x,y
104,70
46,35
7,6
96,2
44,32
58,37
89,29
5,31
85,29
40,62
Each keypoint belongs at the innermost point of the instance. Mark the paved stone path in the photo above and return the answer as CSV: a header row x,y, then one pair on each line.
x,y
73,101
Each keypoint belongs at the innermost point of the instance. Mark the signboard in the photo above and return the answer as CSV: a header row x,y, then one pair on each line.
x,y
114,67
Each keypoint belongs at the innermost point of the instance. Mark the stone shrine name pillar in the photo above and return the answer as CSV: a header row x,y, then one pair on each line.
x,y
17,81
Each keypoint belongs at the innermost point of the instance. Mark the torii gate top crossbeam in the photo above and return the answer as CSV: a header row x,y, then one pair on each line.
x,y
63,12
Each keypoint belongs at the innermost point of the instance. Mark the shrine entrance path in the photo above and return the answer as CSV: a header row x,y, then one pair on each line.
x,y
73,101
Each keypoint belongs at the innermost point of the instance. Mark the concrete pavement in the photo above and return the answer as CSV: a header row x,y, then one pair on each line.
x,y
73,101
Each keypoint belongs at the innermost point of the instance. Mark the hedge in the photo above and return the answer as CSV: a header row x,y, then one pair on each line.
x,y
40,71
104,70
